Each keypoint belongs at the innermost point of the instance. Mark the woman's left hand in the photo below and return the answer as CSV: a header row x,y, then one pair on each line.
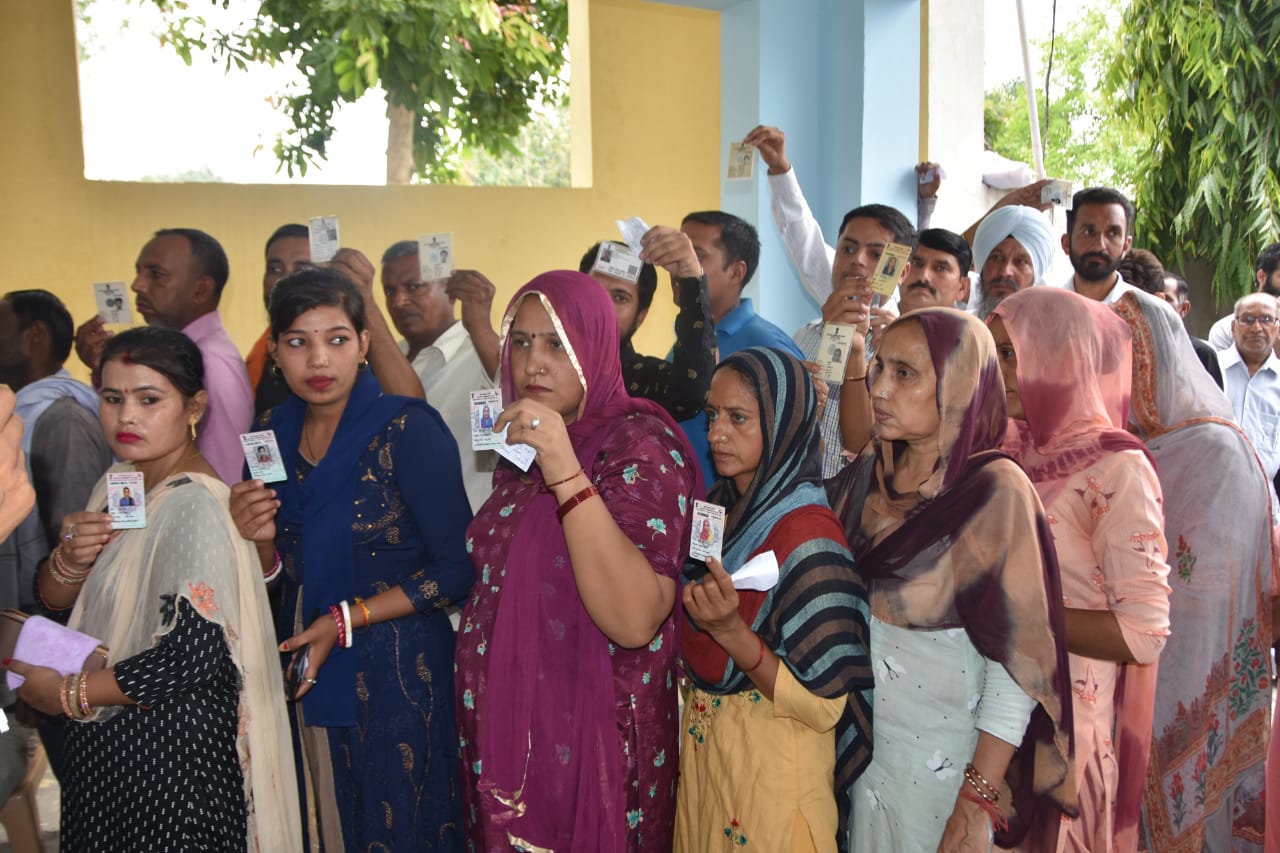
x,y
968,830
322,634
42,689
713,602
550,437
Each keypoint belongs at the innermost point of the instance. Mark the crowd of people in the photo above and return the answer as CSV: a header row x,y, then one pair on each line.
x,y
1008,582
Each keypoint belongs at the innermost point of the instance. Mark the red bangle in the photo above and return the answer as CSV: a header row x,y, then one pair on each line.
x,y
588,492
336,612
760,659
550,486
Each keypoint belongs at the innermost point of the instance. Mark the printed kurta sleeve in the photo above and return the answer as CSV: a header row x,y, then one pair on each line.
x,y
693,357
191,654
791,700
646,482
428,472
1125,500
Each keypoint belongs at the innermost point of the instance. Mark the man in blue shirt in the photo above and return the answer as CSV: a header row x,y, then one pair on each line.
x,y
729,250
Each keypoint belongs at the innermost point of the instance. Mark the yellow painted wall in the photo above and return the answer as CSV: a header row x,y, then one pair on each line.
x,y
655,85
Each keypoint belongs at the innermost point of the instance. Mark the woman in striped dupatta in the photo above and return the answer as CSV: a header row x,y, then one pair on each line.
x,y
773,671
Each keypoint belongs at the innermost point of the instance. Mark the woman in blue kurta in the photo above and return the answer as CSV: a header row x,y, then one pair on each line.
x,y
368,534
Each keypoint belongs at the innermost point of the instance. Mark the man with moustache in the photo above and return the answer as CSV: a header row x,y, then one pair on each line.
x,y
939,272
1266,277
288,250
1012,248
679,385
1251,379
180,275
440,348
1099,234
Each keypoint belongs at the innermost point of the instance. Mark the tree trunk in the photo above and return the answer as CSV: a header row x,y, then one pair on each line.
x,y
399,144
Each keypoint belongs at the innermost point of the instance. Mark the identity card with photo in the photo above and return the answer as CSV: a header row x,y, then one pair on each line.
x,y
1057,192
126,500
833,350
618,261
113,303
263,455
708,531
486,405
742,161
889,270
435,256
633,231
323,231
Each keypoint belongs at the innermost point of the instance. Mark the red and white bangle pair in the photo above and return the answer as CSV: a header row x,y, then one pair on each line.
x,y
341,613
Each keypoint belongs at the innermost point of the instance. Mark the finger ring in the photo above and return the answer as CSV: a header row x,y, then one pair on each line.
x,y
71,532
311,680
535,423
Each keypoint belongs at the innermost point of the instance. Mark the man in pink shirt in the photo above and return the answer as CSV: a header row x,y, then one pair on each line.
x,y
179,278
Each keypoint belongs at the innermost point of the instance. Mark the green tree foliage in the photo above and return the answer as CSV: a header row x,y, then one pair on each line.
x,y
464,74
1205,90
1083,140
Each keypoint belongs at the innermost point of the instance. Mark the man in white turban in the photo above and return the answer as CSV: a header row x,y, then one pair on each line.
x,y
1012,250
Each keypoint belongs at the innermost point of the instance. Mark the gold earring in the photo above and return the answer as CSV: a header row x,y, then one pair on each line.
x,y
275,370
192,422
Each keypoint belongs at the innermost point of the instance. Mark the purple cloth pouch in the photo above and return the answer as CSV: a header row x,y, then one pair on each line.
x,y
44,642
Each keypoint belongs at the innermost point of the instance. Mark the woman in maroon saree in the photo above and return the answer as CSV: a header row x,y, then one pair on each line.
x,y
567,648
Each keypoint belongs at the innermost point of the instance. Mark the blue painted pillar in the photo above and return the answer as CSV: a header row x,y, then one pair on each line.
x,y
842,79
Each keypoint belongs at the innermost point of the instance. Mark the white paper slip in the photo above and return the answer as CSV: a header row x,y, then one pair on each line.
x,y
833,350
708,531
1057,192
633,231
323,231
486,405
126,500
742,161
520,455
263,455
889,270
927,176
435,256
113,303
760,573
618,261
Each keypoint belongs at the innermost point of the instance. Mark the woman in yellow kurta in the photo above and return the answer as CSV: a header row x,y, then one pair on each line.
x,y
774,671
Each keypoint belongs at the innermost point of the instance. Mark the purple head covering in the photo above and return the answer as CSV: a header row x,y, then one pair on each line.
x,y
552,758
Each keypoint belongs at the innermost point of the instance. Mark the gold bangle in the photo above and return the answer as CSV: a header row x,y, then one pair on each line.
x,y
63,575
85,711
862,378
64,695
364,608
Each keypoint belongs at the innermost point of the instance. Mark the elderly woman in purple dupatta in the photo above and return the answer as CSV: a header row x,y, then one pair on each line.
x,y
966,632
1206,776
567,649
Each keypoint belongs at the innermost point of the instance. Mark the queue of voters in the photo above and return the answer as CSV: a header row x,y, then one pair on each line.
x,y
424,568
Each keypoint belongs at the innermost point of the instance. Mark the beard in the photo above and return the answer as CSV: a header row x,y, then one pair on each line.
x,y
1095,272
